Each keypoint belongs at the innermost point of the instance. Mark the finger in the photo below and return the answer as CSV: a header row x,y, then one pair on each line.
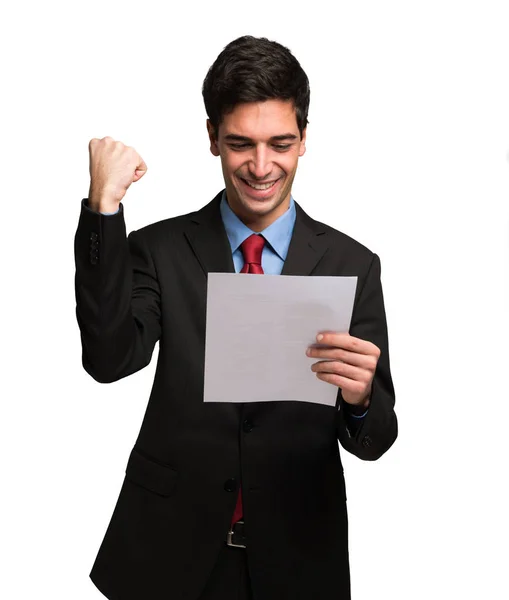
x,y
142,166
349,342
366,361
343,369
347,385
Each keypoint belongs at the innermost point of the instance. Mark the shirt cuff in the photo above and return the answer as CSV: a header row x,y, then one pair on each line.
x,y
352,410
359,416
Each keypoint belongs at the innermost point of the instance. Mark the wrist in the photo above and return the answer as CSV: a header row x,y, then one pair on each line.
x,y
356,409
102,206
102,199
360,408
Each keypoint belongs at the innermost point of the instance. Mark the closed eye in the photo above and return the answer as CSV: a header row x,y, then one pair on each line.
x,y
280,147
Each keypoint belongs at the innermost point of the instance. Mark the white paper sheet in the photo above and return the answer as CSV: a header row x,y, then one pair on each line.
x,y
258,330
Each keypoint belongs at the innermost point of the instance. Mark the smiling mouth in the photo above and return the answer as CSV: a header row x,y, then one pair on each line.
x,y
260,186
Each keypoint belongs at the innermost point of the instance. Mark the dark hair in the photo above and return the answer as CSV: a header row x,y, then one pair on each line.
x,y
253,69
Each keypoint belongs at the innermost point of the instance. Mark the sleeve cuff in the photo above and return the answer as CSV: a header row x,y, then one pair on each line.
x,y
85,204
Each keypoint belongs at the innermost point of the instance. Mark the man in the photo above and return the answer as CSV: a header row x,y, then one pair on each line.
x,y
222,500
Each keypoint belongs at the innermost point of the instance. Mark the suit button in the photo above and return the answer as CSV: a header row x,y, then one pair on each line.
x,y
366,441
93,235
247,426
230,485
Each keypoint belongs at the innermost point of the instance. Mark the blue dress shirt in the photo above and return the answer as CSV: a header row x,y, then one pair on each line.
x,y
277,236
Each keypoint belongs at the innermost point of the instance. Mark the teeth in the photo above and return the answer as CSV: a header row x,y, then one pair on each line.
x,y
260,186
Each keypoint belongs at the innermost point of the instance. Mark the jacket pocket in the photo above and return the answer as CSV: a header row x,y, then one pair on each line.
x,y
156,477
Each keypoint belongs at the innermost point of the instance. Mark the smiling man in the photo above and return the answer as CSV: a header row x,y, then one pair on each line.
x,y
228,501
259,144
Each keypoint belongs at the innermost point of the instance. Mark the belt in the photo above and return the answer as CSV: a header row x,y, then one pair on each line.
x,y
235,536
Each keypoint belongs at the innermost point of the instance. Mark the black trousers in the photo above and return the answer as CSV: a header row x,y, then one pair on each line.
x,y
229,579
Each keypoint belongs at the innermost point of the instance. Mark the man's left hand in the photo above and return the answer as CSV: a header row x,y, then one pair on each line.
x,y
352,367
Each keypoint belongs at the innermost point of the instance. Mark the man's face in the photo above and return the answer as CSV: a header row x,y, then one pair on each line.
x,y
259,145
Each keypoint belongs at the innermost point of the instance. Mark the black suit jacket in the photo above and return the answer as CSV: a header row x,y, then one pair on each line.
x,y
182,475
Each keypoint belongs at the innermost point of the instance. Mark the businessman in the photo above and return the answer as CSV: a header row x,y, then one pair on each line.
x,y
226,501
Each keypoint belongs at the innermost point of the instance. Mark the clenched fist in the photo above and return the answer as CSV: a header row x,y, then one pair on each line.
x,y
113,167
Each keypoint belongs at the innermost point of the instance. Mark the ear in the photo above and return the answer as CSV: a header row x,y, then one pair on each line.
x,y
212,137
302,147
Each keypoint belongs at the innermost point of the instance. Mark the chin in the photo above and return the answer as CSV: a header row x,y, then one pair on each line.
x,y
264,204
261,207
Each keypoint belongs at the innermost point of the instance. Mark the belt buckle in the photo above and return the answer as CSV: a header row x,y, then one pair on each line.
x,y
229,537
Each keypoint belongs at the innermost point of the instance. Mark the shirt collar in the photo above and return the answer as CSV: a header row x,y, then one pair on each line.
x,y
277,234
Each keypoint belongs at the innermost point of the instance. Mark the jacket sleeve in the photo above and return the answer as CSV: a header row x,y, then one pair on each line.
x,y
118,306
370,437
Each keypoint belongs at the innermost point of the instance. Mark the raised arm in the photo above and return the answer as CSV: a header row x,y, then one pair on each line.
x,y
116,285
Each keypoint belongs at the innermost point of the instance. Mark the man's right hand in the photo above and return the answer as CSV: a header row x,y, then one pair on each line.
x,y
113,167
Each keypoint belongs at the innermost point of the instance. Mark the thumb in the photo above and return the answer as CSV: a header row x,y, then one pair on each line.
x,y
138,174
140,170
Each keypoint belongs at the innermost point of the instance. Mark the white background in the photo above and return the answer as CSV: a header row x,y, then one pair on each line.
x,y
407,152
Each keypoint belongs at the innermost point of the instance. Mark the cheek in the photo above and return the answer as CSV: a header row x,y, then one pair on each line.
x,y
231,164
289,164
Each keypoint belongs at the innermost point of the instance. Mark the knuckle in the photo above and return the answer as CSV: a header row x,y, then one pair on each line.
x,y
339,354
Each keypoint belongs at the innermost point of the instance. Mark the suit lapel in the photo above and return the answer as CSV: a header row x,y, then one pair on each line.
x,y
207,236
307,246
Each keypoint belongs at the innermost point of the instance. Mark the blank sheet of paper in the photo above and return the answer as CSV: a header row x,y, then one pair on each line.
x,y
258,330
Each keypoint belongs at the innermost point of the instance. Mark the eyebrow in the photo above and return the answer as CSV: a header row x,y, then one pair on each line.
x,y
232,137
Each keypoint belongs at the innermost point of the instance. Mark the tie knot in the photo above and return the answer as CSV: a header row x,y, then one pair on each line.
x,y
252,249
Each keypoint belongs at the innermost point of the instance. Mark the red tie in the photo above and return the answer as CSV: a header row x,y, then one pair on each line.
x,y
252,251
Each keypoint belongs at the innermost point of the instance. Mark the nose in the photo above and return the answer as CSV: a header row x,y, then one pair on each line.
x,y
260,165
